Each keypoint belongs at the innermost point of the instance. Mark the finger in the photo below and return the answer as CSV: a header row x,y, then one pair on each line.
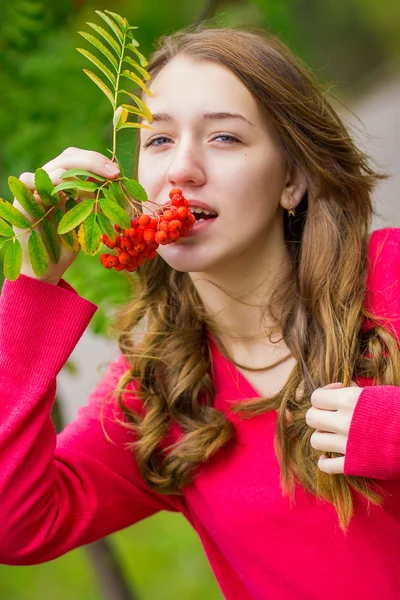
x,y
333,466
329,442
325,398
324,420
85,159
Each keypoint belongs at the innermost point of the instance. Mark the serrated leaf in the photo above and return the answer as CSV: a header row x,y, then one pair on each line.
x,y
6,229
13,261
134,126
37,254
139,102
99,65
13,215
100,46
69,240
81,173
121,21
3,242
51,240
111,25
142,59
146,76
107,37
132,77
118,194
75,216
106,227
89,235
136,190
120,117
114,212
78,184
45,188
106,90
25,197
134,111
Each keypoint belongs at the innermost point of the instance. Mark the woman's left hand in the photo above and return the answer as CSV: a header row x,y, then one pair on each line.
x,y
330,415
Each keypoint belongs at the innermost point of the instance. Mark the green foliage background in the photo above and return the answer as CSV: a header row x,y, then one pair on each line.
x,y
48,104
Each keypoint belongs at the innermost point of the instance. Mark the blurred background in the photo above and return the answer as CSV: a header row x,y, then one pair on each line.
x,y
48,104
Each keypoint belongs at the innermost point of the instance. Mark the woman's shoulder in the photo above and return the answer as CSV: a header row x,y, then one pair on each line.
x,y
383,280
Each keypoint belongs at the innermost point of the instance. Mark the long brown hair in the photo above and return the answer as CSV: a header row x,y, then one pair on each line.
x,y
322,295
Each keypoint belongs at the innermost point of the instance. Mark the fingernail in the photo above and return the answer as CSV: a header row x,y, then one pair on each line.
x,y
112,168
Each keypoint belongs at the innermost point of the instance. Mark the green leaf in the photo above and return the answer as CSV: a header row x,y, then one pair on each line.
x,y
37,254
132,77
3,242
134,126
100,46
118,194
136,190
81,173
143,107
6,229
142,59
134,111
51,240
111,25
120,117
106,90
107,37
106,227
69,240
121,21
13,215
90,235
99,65
13,261
45,188
25,197
146,76
75,216
78,184
114,212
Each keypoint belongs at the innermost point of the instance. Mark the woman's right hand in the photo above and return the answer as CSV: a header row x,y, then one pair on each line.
x,y
71,158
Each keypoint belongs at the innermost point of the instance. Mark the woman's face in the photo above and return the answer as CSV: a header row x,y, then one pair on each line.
x,y
236,165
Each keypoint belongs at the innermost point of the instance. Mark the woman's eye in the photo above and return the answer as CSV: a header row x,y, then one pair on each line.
x,y
231,138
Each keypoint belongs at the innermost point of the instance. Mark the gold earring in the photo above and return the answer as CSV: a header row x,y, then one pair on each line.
x,y
291,210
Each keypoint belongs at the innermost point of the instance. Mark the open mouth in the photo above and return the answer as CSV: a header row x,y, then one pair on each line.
x,y
202,216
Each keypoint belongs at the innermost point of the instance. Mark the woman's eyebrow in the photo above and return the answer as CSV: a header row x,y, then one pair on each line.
x,y
210,116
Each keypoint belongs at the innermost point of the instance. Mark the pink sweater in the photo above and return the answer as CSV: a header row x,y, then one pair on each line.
x,y
61,492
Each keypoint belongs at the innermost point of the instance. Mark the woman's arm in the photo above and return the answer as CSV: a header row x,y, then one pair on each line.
x,y
373,445
58,492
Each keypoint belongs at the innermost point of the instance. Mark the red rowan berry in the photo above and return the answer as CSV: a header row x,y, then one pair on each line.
x,y
126,244
168,215
174,225
182,212
175,191
161,237
174,235
163,226
144,220
117,228
133,252
148,235
124,258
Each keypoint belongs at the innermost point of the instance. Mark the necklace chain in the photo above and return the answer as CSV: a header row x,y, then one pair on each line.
x,y
275,364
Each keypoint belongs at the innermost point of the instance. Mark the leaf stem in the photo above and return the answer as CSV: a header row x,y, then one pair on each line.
x,y
114,154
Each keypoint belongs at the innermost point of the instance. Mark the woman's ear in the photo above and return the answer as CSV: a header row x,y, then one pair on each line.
x,y
295,187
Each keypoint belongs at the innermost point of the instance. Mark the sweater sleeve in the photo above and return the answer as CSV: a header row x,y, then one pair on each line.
x,y
373,445
59,492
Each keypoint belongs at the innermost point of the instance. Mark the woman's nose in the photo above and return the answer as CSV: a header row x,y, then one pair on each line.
x,y
185,167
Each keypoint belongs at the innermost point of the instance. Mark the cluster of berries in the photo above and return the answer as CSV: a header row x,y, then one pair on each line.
x,y
139,243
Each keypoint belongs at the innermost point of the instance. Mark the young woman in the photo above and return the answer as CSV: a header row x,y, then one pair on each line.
x,y
263,341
